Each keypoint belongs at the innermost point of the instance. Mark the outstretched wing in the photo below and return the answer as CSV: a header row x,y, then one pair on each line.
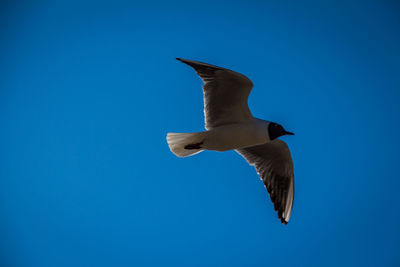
x,y
225,94
275,167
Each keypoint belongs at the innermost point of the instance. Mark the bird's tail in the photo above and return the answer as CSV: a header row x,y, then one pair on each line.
x,y
186,144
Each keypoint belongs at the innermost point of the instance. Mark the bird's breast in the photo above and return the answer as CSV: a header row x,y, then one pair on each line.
x,y
233,136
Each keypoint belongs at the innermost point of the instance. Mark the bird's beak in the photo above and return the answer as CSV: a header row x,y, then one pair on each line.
x,y
289,133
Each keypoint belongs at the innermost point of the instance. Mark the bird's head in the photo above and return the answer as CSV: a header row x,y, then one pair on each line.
x,y
275,130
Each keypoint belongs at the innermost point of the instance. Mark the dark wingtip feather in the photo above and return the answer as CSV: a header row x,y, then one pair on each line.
x,y
186,61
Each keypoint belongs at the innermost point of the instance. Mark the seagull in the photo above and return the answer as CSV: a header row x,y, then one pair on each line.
x,y
231,126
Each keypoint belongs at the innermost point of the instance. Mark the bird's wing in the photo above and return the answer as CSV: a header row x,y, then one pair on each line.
x,y
225,94
275,167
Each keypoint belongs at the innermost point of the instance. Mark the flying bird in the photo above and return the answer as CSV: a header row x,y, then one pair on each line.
x,y
231,126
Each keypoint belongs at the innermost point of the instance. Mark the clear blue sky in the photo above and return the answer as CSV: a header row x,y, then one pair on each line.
x,y
88,91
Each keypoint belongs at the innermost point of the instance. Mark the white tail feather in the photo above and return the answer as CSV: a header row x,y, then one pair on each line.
x,y
178,141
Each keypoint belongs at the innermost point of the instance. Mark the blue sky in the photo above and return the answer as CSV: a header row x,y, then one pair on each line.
x,y
89,90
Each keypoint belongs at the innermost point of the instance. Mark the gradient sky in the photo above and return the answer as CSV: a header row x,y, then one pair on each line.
x,y
88,91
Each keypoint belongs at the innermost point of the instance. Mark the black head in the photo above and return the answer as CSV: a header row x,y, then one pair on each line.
x,y
275,130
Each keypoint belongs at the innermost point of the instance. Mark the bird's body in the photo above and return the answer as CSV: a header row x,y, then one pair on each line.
x,y
238,135
231,126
